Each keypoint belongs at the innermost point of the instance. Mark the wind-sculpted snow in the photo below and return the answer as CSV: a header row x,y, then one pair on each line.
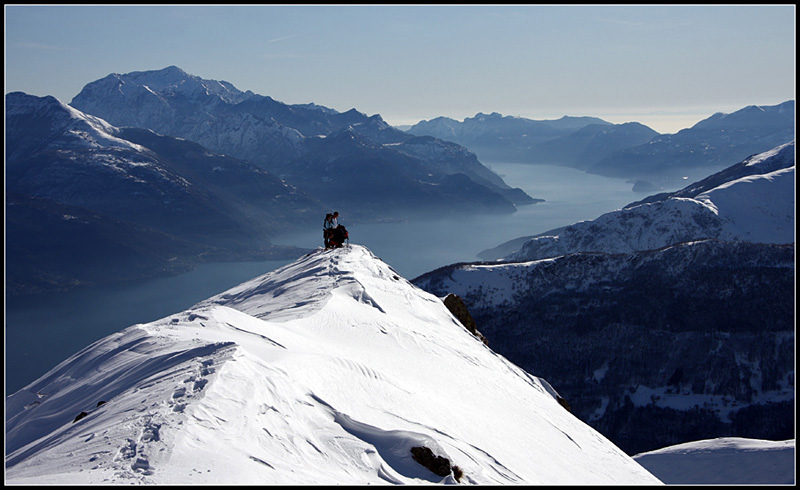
x,y
645,227
327,371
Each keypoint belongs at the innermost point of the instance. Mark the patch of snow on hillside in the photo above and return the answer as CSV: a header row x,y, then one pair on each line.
x,y
101,133
724,461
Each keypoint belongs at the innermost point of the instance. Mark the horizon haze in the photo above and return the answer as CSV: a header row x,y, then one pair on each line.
x,y
667,67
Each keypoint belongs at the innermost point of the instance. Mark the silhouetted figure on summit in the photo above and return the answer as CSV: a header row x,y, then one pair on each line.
x,y
334,234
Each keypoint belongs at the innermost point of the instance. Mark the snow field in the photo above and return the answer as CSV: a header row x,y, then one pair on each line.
x,y
327,371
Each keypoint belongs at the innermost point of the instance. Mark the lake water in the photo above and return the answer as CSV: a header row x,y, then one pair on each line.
x,y
42,333
413,248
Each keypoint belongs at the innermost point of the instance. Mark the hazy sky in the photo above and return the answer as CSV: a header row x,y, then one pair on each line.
x,y
664,66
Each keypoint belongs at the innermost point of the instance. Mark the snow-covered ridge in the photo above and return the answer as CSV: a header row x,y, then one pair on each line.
x,y
174,80
755,203
326,371
81,128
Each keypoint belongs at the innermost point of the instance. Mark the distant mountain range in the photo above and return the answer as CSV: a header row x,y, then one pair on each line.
x,y
710,145
87,201
669,321
497,138
213,172
750,201
631,150
358,164
167,170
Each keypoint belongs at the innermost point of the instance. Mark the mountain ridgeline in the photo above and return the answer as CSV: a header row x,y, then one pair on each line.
x,y
88,203
150,173
352,162
668,321
631,150
572,141
198,170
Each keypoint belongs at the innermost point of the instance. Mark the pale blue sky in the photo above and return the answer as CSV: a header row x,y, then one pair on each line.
x,y
664,66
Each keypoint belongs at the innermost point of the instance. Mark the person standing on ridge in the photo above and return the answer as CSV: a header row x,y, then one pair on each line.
x,y
327,229
331,223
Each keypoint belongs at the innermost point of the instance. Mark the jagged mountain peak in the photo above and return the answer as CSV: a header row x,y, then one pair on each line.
x,y
329,370
493,116
167,82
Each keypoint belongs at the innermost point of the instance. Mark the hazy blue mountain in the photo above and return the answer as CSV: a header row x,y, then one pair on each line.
x,y
134,182
751,201
284,139
591,143
631,150
669,321
372,179
781,157
497,138
710,145
212,113
55,247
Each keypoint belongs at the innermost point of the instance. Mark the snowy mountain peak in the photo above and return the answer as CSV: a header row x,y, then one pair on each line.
x,y
161,95
173,81
330,370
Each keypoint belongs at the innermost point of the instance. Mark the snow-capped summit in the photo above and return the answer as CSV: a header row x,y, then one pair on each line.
x,y
286,139
330,370
170,82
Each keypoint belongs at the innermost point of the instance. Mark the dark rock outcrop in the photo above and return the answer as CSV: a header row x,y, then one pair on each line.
x,y
437,464
456,305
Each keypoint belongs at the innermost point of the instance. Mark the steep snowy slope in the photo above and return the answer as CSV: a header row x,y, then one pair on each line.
x,y
326,371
